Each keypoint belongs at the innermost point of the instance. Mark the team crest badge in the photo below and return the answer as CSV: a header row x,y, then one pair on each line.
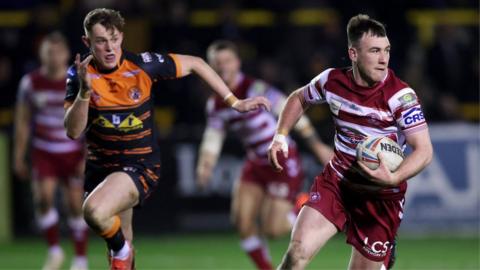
x,y
135,94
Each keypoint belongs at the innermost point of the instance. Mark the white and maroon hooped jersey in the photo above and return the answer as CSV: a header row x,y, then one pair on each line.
x,y
45,99
256,128
390,108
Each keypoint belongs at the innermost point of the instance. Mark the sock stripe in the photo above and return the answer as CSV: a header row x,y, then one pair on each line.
x,y
113,230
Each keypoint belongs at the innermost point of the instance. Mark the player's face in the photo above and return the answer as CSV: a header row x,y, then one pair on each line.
x,y
226,63
105,45
371,57
54,55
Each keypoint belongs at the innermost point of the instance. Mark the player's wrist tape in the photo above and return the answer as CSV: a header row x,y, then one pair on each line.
x,y
230,99
282,139
79,96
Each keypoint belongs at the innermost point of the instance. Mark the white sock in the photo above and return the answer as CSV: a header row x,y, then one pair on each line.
x,y
251,243
48,219
78,227
56,249
80,261
123,253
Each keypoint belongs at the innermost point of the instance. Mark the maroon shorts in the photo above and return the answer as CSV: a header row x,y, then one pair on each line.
x,y
369,220
285,184
58,165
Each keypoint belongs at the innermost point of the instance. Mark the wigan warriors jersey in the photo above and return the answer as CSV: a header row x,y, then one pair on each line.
x,y
391,108
45,100
256,128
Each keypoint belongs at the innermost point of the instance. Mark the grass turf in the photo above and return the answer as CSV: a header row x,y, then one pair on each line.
x,y
221,251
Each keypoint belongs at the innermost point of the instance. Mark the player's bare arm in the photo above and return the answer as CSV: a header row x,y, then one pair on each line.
x,y
210,148
193,64
414,163
304,128
76,114
21,138
290,114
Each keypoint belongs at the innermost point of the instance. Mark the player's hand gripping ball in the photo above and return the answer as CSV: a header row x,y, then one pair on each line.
x,y
367,151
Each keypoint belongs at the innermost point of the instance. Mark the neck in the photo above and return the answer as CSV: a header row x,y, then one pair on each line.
x,y
361,78
54,73
232,83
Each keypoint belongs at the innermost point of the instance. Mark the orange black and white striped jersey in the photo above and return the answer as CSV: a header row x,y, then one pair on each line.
x,y
120,127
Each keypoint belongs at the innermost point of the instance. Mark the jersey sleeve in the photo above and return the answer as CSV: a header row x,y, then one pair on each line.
x,y
160,66
24,89
314,92
214,119
407,111
73,85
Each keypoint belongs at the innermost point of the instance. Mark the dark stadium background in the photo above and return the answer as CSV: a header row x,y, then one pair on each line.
x,y
435,48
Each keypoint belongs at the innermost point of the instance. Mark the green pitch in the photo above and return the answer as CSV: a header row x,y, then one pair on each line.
x,y
221,251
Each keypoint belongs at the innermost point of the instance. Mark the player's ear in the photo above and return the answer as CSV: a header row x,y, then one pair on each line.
x,y
352,53
86,41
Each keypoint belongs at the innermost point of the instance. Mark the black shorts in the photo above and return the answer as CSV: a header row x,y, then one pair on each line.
x,y
145,177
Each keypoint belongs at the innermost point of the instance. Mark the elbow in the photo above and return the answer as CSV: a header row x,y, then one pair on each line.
x,y
73,135
428,155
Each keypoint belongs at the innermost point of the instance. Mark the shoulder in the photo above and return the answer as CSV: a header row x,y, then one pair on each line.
x,y
394,85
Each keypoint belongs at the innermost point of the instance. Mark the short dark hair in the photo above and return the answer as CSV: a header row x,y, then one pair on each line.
x,y
55,37
363,24
109,18
222,45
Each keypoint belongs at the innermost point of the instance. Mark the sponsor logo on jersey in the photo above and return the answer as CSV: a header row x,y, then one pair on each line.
x,y
130,73
377,248
408,99
160,58
351,135
134,94
335,106
259,88
314,196
121,121
413,116
146,57
374,118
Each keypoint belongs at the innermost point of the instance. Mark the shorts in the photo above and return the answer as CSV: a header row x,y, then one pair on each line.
x,y
369,221
64,166
285,184
144,176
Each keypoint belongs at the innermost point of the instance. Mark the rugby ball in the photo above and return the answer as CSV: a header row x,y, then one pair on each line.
x,y
368,150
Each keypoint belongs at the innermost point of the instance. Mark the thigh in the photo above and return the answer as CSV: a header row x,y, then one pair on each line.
x,y
358,261
274,216
73,198
246,200
114,195
311,231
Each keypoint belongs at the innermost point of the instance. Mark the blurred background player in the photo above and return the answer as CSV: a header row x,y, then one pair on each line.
x,y
55,159
109,98
366,99
260,191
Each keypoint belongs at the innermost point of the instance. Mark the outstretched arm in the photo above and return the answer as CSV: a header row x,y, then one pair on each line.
x,y
304,128
290,114
193,64
21,138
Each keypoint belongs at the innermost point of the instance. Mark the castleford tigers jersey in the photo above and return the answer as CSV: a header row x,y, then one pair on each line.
x,y
390,108
120,126
256,128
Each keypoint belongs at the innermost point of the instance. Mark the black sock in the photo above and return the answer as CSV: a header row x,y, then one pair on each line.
x,y
117,241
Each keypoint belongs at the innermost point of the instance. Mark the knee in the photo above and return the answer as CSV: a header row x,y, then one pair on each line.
x,y
94,216
244,226
296,257
273,231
